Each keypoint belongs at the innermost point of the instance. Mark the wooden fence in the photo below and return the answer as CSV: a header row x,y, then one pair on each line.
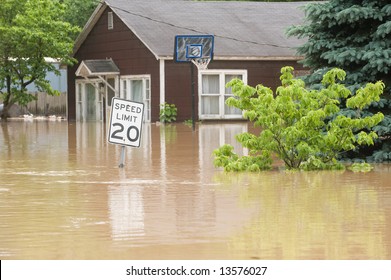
x,y
46,105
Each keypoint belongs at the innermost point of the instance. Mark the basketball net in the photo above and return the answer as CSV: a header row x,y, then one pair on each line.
x,y
201,63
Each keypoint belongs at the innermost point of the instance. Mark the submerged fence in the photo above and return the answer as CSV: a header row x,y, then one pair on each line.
x,y
48,105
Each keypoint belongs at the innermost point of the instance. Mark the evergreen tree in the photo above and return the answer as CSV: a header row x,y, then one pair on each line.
x,y
354,35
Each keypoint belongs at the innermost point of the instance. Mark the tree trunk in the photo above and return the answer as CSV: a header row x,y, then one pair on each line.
x,y
4,114
7,105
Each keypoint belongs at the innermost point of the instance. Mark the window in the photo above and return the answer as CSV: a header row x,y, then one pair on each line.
x,y
210,95
138,88
110,21
79,102
89,106
213,94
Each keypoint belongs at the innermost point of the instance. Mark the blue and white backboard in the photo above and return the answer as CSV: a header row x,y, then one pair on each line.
x,y
190,47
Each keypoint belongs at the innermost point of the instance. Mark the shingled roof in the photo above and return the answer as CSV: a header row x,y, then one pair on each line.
x,y
242,30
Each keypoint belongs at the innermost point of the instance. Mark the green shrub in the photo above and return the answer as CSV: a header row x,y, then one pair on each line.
x,y
300,126
360,167
168,112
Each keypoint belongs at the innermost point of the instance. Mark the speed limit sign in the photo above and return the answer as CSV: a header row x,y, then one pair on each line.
x,y
126,122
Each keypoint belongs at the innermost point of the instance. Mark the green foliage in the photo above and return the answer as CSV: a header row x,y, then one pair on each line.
x,y
188,123
301,126
30,32
168,112
225,157
361,167
354,35
77,12
260,0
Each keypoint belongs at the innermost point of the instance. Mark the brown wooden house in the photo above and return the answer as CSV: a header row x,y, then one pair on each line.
x,y
127,50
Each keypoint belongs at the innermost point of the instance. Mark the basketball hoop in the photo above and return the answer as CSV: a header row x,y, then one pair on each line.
x,y
199,50
195,48
201,63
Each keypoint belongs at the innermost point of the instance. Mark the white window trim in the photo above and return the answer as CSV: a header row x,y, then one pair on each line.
x,y
135,77
221,73
138,77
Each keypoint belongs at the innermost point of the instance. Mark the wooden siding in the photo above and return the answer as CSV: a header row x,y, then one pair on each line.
x,y
178,88
130,55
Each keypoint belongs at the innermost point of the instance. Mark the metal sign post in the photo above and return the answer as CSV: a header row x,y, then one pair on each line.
x,y
125,124
122,157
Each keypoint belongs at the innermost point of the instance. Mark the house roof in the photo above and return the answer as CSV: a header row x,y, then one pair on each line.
x,y
242,30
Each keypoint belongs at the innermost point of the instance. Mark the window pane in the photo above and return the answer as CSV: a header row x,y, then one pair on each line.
x,y
229,77
124,89
210,84
147,89
210,105
137,90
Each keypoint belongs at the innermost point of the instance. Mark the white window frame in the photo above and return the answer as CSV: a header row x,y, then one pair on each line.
x,y
81,100
126,93
222,94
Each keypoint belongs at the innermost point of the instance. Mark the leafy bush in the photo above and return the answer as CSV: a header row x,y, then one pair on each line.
x,y
361,167
168,112
300,126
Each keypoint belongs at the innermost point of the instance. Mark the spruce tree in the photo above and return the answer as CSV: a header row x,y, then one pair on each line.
x,y
354,35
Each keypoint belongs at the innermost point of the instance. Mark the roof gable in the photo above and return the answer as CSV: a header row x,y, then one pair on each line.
x,y
242,30
97,67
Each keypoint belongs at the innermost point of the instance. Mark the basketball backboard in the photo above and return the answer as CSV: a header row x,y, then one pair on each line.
x,y
192,47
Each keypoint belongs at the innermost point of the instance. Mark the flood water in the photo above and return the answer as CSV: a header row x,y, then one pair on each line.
x,y
62,196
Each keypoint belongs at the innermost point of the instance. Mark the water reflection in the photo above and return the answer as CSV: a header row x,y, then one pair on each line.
x,y
62,196
305,216
126,212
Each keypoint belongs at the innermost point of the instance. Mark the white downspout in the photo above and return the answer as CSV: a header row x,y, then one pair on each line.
x,y
162,72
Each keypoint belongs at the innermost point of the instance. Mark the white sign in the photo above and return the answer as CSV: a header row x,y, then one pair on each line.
x,y
126,122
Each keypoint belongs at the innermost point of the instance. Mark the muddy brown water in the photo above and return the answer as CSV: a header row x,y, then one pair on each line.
x,y
62,196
